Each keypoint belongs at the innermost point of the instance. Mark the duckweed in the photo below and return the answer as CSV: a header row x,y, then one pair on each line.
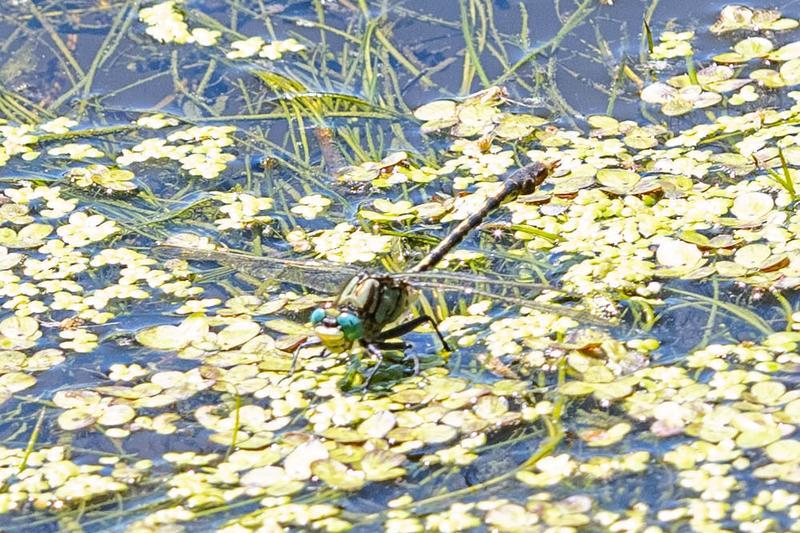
x,y
144,392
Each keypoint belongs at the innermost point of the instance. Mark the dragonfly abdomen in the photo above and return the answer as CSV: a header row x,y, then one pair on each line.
x,y
523,181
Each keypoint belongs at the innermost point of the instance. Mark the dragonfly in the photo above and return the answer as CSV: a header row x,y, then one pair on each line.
x,y
369,305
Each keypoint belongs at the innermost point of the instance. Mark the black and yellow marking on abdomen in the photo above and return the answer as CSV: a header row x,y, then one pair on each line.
x,y
523,181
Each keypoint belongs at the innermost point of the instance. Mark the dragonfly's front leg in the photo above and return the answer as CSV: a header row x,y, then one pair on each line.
x,y
313,341
411,325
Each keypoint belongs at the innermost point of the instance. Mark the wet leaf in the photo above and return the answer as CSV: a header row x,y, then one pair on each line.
x,y
752,205
677,254
338,476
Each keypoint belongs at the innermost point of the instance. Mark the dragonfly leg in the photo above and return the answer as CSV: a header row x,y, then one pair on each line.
x,y
323,353
411,325
403,346
313,341
375,352
384,345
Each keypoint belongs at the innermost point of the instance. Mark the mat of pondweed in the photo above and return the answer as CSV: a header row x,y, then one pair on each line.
x,y
141,391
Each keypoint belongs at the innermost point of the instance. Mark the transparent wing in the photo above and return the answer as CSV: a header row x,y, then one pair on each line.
x,y
325,276
316,275
562,310
499,280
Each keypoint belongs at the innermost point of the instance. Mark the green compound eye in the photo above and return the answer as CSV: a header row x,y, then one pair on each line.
x,y
351,326
317,316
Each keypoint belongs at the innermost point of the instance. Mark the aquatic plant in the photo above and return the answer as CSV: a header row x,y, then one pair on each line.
x,y
144,392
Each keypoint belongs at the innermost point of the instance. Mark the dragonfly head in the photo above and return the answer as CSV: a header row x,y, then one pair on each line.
x,y
336,328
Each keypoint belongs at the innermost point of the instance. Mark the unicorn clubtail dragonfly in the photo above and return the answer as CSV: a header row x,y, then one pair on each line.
x,y
369,306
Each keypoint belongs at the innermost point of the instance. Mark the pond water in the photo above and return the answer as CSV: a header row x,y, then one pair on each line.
x,y
622,341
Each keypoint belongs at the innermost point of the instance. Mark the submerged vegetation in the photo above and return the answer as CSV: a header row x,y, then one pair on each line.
x,y
144,392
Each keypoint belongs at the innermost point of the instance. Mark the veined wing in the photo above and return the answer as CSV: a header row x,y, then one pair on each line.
x,y
450,276
497,295
317,275
328,277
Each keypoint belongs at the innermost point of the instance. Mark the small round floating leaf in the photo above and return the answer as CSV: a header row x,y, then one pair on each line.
x,y
29,236
726,86
792,411
491,407
775,262
263,476
577,388
437,110
382,465
790,72
237,334
343,434
771,19
784,451
658,93
337,475
694,237
730,58
361,173
410,396
604,437
752,205
603,122
768,392
285,488
68,399
737,163
116,415
17,381
169,338
769,78
678,254
753,47
786,52
699,99
378,425
729,269
613,391
758,436
435,433
8,261
752,256
73,419
640,142
477,115
517,126
348,454
436,125
783,339
115,180
723,241
166,338
287,327
20,328
679,106
298,462
617,178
